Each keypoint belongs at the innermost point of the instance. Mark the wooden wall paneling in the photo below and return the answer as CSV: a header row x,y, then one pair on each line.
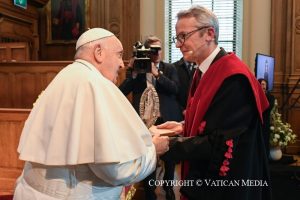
x,y
122,17
279,34
19,25
3,53
98,14
285,47
24,81
14,51
296,36
38,3
11,125
25,91
293,113
293,119
5,96
19,51
130,28
113,19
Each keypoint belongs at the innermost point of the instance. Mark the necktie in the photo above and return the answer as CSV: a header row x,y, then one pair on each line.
x,y
191,69
199,72
190,66
196,80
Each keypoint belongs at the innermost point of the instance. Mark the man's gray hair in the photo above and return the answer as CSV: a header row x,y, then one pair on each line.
x,y
203,16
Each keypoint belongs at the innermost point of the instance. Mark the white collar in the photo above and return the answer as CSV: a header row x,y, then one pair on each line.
x,y
157,65
203,67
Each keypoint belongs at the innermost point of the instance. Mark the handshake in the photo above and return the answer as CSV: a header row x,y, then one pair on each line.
x,y
161,135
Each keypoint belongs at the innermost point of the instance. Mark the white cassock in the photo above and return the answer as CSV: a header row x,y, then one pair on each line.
x,y
82,140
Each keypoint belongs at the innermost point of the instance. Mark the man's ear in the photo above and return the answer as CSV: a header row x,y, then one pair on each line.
x,y
211,34
98,54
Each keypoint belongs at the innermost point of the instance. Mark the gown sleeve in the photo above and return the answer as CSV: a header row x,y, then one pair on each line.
x,y
128,172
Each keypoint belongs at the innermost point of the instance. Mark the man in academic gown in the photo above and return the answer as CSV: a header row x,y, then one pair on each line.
x,y
223,152
83,139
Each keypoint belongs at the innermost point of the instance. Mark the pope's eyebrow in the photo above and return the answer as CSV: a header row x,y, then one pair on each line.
x,y
120,53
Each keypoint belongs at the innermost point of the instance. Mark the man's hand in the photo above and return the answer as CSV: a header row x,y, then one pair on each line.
x,y
154,70
161,144
174,126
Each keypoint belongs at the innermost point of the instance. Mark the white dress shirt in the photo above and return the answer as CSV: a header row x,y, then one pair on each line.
x,y
203,67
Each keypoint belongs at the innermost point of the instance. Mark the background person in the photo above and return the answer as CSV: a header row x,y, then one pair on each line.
x,y
83,139
267,114
164,78
185,71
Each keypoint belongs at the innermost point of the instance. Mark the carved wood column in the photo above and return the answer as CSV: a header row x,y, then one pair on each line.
x,y
285,47
122,17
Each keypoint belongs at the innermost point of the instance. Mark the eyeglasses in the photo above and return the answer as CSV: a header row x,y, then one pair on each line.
x,y
182,37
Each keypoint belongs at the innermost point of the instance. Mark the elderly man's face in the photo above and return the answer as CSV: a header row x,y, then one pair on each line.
x,y
112,60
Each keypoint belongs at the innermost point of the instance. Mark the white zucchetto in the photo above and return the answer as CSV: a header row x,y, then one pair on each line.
x,y
92,35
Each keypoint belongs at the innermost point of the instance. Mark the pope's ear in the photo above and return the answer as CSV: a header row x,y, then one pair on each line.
x,y
98,53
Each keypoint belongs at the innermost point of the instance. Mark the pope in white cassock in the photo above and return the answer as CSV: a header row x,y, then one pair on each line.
x,y
83,139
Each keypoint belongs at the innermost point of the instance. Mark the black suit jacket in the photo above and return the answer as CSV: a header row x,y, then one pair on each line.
x,y
185,77
166,87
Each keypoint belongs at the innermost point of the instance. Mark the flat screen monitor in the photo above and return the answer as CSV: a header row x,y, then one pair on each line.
x,y
264,68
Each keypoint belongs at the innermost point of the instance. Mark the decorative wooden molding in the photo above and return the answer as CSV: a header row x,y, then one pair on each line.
x,y
19,26
297,24
38,3
14,51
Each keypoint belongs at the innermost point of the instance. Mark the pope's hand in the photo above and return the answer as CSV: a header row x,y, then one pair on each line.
x,y
161,144
176,127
